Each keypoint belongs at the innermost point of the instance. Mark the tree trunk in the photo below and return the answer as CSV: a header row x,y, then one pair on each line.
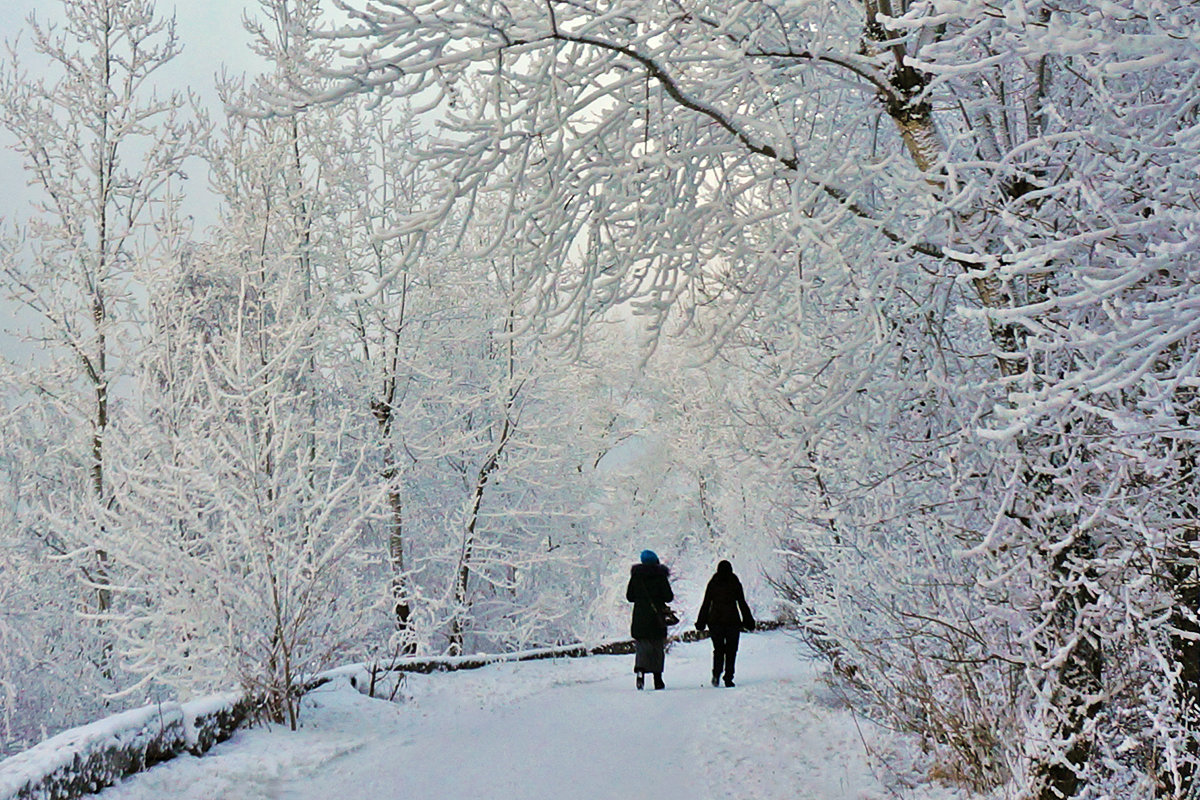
x,y
1069,679
99,369
507,426
384,413
707,512
400,599
463,575
1185,632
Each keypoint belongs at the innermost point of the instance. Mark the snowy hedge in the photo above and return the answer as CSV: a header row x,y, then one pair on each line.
x,y
91,757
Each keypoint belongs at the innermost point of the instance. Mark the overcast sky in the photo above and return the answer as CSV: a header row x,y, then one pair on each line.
x,y
211,33
210,30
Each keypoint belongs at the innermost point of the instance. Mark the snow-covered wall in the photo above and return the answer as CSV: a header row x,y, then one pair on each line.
x,y
371,679
88,758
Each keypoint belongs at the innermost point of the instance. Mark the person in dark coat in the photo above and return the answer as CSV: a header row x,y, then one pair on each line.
x,y
725,613
649,590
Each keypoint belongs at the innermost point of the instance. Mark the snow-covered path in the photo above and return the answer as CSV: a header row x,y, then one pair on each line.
x,y
569,728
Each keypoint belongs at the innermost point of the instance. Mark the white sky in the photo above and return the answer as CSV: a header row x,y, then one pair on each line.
x,y
211,32
212,36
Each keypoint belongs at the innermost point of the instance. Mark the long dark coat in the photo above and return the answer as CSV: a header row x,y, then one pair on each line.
x,y
724,604
648,584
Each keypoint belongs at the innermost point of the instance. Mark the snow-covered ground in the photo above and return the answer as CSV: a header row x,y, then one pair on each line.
x,y
562,729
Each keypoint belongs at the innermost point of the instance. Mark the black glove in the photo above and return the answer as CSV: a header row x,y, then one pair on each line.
x,y
699,626
749,626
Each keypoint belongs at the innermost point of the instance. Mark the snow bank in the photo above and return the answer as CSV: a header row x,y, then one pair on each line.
x,y
91,757
213,719
571,728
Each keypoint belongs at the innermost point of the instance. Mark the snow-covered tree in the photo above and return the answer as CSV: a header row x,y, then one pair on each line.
x,y
1005,184
105,155
104,151
383,317
251,477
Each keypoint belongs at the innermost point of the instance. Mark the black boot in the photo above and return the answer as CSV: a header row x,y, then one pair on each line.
x,y
641,680
658,681
716,678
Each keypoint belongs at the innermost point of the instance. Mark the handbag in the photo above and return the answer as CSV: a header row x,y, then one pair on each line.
x,y
667,615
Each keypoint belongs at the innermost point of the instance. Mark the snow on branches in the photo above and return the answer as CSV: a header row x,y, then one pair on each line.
x,y
977,197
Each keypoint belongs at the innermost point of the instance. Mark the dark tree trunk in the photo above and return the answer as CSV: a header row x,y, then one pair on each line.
x,y
1070,673
1185,629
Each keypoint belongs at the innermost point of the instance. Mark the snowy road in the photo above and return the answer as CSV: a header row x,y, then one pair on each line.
x,y
564,729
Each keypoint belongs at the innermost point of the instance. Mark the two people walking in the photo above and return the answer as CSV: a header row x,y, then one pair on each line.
x,y
724,612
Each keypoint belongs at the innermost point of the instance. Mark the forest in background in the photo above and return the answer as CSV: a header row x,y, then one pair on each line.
x,y
900,301
239,455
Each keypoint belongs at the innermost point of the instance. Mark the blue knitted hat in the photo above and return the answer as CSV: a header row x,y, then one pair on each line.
x,y
649,557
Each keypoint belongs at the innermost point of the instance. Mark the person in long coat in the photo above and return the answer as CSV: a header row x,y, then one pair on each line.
x,y
725,613
649,590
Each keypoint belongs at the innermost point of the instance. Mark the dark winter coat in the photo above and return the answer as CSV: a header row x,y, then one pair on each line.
x,y
724,604
648,586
